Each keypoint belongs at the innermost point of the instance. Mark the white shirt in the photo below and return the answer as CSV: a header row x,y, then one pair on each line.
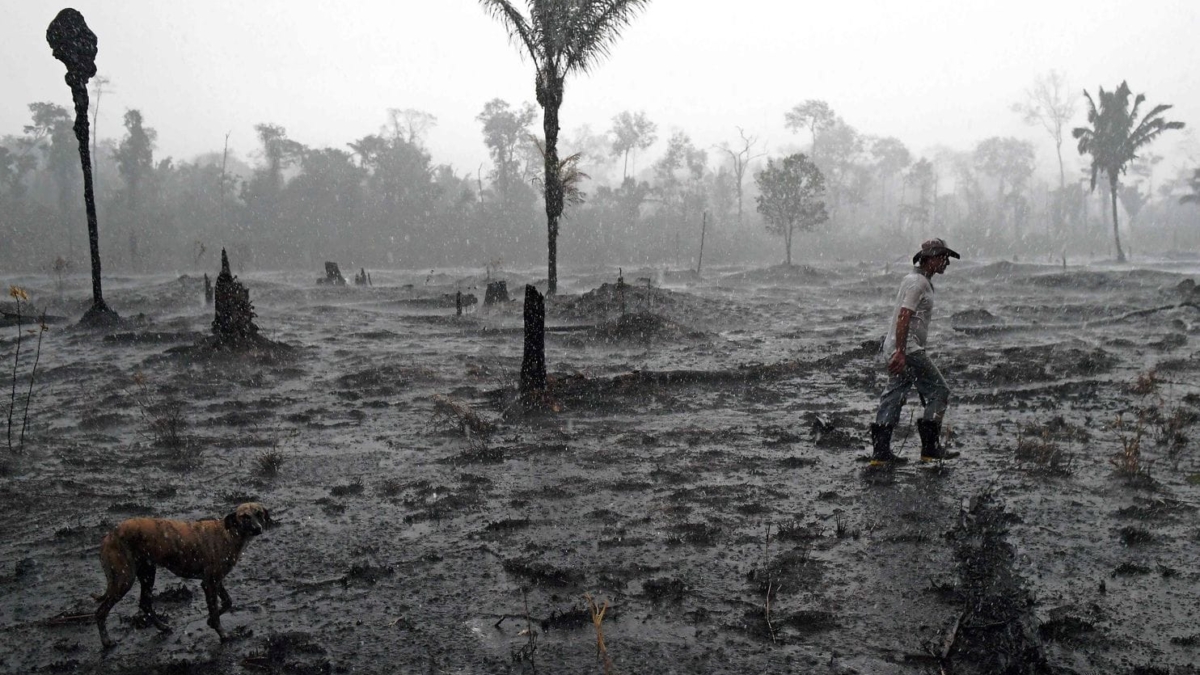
x,y
916,294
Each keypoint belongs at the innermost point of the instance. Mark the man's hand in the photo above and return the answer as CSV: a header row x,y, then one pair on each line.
x,y
897,363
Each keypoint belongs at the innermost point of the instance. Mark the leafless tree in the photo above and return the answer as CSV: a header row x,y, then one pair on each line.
x,y
741,160
1049,103
410,124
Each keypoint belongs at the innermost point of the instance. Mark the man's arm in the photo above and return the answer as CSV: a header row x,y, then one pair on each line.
x,y
897,362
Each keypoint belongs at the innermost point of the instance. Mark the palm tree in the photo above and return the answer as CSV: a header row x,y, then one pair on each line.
x,y
561,37
1115,137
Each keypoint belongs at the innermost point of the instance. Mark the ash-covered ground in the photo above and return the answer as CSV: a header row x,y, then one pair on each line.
x,y
695,466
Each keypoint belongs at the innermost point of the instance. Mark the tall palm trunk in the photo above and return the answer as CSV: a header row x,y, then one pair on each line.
x,y
550,96
1112,182
99,313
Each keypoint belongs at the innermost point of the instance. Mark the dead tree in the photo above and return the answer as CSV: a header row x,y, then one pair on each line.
x,y
73,43
533,363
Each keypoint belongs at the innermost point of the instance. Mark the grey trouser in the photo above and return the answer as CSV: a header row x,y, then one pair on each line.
x,y
919,371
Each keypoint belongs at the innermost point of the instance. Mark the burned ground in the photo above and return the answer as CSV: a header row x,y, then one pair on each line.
x,y
697,464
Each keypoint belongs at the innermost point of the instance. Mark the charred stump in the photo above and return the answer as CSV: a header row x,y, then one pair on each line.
x,y
361,278
233,326
333,275
73,43
497,291
621,289
458,302
208,290
533,363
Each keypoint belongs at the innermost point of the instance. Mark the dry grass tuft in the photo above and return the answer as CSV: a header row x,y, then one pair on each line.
x,y
1145,384
1128,462
1043,455
269,462
389,487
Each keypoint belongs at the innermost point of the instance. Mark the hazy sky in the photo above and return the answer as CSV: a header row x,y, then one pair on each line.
x,y
925,71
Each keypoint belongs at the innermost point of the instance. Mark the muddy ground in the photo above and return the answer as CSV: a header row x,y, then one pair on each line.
x,y
695,467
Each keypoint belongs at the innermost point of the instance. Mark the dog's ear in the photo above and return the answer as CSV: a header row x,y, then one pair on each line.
x,y
231,521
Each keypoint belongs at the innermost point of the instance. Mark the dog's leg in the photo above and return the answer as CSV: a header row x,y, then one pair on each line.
x,y
145,574
226,601
210,587
118,569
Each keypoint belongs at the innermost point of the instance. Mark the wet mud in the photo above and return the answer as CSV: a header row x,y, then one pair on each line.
x,y
696,466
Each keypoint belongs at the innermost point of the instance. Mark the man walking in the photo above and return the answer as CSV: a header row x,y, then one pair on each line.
x,y
908,363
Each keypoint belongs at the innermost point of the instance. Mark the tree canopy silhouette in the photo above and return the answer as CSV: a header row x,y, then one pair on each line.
x,y
1114,137
561,37
789,197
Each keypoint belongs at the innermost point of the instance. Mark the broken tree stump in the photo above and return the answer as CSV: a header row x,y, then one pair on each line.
x,y
497,291
533,363
208,290
458,303
333,275
360,279
233,326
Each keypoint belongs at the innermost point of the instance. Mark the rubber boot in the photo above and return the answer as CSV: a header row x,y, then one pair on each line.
x,y
931,446
881,442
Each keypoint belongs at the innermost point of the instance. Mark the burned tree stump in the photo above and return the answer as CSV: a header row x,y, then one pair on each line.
x,y
208,290
621,289
533,363
497,291
333,275
458,302
233,326
360,279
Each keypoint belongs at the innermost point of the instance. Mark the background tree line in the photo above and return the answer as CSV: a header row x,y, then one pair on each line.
x,y
635,195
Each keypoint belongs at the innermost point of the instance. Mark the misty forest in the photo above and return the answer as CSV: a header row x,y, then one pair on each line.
x,y
604,403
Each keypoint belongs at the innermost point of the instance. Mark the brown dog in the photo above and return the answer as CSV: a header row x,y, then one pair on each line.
x,y
203,549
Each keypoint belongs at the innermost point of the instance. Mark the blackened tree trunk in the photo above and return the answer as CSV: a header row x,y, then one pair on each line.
x,y
1112,181
533,363
550,96
73,43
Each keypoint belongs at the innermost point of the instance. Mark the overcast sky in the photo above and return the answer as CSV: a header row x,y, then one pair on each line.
x,y
925,71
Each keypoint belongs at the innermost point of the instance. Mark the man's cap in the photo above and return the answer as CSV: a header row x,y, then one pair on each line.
x,y
933,248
